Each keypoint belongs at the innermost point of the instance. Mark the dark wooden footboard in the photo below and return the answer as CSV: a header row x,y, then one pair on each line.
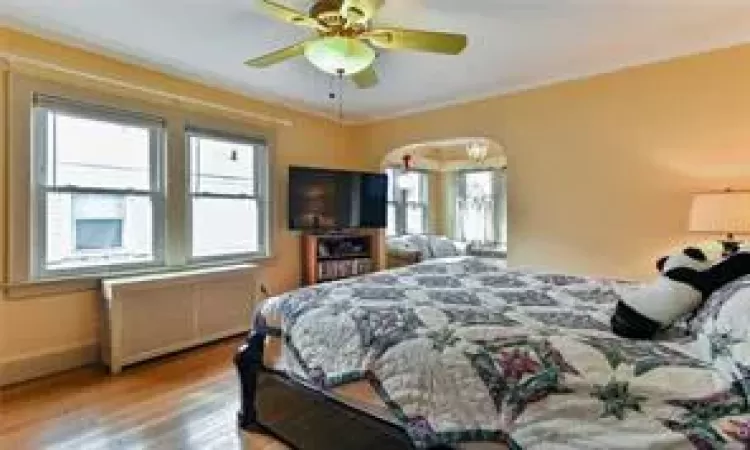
x,y
249,361
302,417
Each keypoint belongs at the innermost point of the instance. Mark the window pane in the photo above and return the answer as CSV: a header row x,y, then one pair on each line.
x,y
477,221
477,210
391,173
478,184
222,167
95,154
413,183
415,219
98,234
391,230
97,230
224,226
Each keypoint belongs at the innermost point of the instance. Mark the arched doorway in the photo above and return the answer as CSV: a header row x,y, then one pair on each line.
x,y
454,187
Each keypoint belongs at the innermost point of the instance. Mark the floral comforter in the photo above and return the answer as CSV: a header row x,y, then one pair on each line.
x,y
467,351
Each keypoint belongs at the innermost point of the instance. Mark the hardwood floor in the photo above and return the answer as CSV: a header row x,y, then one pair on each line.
x,y
185,401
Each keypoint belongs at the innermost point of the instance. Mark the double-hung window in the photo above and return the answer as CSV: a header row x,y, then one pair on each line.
x,y
99,204
408,203
228,197
480,207
98,197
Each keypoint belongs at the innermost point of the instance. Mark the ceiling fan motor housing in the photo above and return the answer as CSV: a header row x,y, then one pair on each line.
x,y
328,12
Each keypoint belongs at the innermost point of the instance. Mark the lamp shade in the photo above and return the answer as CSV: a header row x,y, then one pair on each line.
x,y
721,212
333,54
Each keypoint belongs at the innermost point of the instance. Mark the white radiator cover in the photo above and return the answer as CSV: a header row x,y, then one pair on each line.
x,y
152,315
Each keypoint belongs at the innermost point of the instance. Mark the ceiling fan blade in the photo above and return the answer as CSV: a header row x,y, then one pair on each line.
x,y
425,41
366,79
277,56
292,16
360,11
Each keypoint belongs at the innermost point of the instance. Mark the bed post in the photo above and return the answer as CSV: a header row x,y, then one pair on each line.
x,y
248,361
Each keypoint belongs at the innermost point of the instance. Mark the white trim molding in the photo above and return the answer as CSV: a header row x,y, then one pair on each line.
x,y
35,365
30,66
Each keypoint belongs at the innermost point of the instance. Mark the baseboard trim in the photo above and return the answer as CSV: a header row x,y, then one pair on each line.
x,y
28,367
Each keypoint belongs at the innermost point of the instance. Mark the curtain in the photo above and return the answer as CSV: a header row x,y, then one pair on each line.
x,y
480,207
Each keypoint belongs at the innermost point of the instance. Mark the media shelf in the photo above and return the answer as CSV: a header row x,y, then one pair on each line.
x,y
331,257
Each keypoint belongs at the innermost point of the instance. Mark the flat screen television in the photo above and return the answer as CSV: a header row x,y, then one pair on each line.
x,y
324,199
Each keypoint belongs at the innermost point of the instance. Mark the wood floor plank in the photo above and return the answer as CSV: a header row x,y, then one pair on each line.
x,y
185,401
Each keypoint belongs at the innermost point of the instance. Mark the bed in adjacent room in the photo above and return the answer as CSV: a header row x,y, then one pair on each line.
x,y
464,353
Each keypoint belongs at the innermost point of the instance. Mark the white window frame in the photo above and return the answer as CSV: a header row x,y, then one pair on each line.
x,y
261,193
21,275
41,104
401,203
499,199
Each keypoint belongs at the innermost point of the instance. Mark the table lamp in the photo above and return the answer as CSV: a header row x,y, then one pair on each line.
x,y
725,213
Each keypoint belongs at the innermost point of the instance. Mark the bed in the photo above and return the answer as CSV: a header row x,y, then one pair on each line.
x,y
464,353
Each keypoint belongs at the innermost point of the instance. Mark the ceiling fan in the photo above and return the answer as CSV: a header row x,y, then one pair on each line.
x,y
344,40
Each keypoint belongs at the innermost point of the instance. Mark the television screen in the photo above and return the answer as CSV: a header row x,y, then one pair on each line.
x,y
334,199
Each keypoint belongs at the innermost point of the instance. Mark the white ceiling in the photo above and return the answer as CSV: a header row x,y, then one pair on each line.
x,y
513,44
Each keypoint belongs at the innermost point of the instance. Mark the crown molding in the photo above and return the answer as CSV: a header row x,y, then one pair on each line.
x,y
31,66
547,82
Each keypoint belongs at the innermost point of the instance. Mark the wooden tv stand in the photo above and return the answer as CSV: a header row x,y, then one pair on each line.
x,y
335,256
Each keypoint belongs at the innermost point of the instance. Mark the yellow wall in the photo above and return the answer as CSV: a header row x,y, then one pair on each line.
x,y
58,323
601,170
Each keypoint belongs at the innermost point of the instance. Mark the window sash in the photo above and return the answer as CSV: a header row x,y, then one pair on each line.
x,y
157,142
198,176
41,106
260,193
401,202
103,191
39,258
263,244
231,255
225,196
96,112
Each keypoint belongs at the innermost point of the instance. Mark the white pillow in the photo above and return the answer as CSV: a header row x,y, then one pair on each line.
x,y
734,316
421,243
461,247
727,311
714,313
724,336
442,247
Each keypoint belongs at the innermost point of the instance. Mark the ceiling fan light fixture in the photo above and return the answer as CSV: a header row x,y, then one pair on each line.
x,y
340,55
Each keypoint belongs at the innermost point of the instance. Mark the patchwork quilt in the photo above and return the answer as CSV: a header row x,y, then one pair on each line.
x,y
466,351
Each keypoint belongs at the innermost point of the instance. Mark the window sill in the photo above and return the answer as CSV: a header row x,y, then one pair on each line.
x,y
85,283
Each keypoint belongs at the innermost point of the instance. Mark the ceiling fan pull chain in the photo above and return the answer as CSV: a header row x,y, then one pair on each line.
x,y
341,94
